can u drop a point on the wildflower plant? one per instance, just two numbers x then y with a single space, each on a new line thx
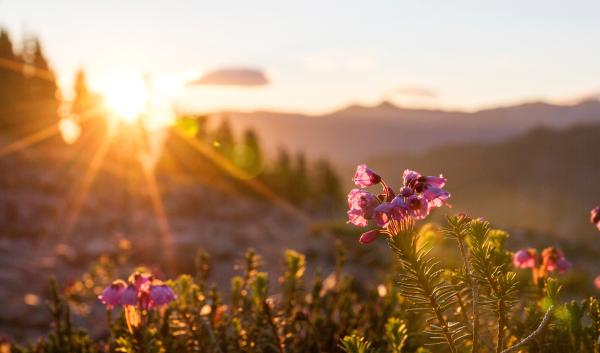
469 302
485 271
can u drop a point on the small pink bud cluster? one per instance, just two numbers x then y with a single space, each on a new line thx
141 290
552 260
415 199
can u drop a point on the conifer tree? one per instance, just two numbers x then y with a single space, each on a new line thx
248 154
223 139
42 90
327 185
300 188
11 82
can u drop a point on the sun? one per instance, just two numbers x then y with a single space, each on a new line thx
125 95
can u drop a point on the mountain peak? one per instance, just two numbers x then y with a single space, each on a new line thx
386 105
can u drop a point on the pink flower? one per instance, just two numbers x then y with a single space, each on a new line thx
418 182
142 281
111 295
406 191
417 206
524 258
554 260
362 204
383 214
595 217
563 265
161 295
400 209
436 196
410 177
355 216
432 180
597 282
369 237
129 296
365 177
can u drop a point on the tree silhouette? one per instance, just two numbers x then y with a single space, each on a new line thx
83 108
300 188
11 82
40 90
248 154
327 186
223 139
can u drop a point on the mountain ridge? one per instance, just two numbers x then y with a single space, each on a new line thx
357 132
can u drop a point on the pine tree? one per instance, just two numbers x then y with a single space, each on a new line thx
281 176
223 139
327 185
248 154
84 109
42 89
300 188
11 82
83 99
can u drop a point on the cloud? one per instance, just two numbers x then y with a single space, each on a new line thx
233 77
416 91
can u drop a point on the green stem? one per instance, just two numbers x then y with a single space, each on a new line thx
534 334
474 293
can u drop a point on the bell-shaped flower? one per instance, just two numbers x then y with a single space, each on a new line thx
554 260
417 207
361 205
365 177
129 296
161 295
384 213
436 196
524 258
370 236
111 295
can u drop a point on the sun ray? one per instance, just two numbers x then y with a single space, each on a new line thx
166 238
85 184
29 140
40 135
22 67
242 176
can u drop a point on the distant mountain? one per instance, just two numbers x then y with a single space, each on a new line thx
545 181
356 132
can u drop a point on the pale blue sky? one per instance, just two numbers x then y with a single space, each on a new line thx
321 55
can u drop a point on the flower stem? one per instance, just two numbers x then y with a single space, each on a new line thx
534 334
474 292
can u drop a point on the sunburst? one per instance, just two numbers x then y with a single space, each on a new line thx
128 103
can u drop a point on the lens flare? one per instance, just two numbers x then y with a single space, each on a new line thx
69 130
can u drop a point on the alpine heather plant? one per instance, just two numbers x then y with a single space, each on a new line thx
138 295
484 279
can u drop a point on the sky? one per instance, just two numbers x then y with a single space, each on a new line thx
319 56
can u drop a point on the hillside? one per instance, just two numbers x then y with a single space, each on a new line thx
366 131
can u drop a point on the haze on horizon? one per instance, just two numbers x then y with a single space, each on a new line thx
315 57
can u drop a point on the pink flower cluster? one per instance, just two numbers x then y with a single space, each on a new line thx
552 260
595 216
141 290
415 199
